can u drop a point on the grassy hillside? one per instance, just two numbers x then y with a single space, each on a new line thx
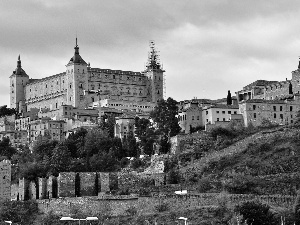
267 162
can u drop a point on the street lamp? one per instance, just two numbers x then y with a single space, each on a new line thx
183 218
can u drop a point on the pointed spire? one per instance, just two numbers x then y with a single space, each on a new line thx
19 58
76 48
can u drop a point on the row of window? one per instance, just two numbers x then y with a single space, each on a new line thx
223 112
274 108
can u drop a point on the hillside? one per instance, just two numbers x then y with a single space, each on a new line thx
267 162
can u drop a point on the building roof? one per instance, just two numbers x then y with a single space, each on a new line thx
276 101
110 71
223 106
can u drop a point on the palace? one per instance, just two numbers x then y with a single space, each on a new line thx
81 85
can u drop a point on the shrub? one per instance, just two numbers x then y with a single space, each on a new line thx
131 211
124 162
51 219
204 185
136 163
162 207
173 177
19 211
256 213
223 132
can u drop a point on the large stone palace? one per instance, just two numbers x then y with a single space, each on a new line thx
80 85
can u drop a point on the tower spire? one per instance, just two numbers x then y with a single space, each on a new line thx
76 47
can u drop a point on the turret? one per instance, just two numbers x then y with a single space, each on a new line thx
18 81
154 73
77 79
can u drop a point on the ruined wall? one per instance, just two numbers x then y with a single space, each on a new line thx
52 187
87 184
23 189
5 179
104 181
42 188
66 184
33 190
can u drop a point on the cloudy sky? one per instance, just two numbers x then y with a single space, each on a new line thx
207 47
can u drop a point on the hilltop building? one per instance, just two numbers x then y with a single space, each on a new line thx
80 85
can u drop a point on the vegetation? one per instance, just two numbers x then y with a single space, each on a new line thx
19 211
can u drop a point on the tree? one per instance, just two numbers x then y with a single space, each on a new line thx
130 146
256 213
229 98
43 146
6 149
58 160
146 135
107 123
4 111
165 120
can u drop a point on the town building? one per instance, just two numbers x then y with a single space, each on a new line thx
124 126
190 116
5 180
282 112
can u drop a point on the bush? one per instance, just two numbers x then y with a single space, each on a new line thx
51 219
162 207
136 163
223 132
204 185
19 211
256 213
124 162
131 211
173 177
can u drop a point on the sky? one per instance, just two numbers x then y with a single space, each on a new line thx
207 47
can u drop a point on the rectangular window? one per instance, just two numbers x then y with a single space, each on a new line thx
254 107
218 111
280 108
206 112
274 115
198 117
291 108
281 116
254 115
274 108
291 121
192 117
234 112
223 112
229 112
206 120
218 119
223 119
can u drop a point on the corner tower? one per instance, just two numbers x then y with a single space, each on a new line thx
18 81
155 75
77 79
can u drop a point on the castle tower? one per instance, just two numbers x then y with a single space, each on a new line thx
154 73
18 81
77 79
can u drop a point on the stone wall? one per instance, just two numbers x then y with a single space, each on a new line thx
52 187
33 191
23 189
104 181
66 184
42 188
87 184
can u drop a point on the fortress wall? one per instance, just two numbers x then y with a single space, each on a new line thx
87 184
66 184
42 188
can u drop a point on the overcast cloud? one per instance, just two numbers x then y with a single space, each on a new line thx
207 46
